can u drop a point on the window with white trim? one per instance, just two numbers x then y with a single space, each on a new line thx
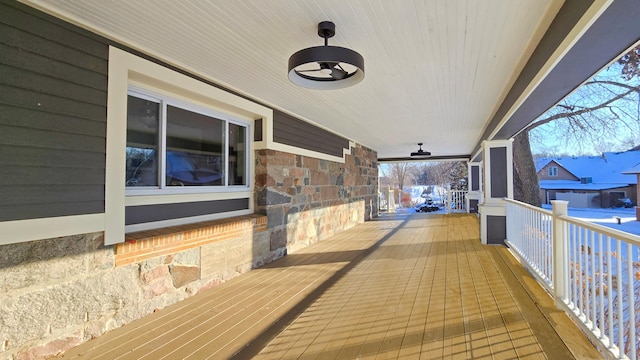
552 171
157 87
173 145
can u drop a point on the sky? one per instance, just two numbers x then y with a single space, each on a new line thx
552 139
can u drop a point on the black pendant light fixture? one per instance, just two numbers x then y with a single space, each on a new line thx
326 67
420 152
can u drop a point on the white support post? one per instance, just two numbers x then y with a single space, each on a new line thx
474 195
560 251
497 160
449 199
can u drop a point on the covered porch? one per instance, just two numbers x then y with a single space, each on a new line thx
401 286
283 254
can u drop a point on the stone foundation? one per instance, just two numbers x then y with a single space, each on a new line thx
58 293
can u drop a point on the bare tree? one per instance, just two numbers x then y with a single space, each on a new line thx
602 112
630 64
443 174
422 173
400 173
526 187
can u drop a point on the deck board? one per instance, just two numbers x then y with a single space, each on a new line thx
412 286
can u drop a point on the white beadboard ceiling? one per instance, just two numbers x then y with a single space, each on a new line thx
436 70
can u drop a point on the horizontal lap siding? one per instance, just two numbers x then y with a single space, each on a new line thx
294 132
53 93
150 213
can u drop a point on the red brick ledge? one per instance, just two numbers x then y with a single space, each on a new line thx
148 244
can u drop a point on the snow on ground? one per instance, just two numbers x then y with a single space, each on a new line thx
604 217
607 217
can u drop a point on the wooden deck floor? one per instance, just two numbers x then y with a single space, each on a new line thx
416 286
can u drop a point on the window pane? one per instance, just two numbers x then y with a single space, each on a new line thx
237 155
195 152
142 142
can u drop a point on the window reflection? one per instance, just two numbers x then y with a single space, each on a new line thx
194 149
142 142
191 148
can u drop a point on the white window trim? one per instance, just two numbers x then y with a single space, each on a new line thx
17 231
552 170
126 70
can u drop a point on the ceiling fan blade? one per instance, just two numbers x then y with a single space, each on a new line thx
334 69
421 153
338 73
328 64
312 70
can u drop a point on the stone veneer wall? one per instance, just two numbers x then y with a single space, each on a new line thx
57 293
308 199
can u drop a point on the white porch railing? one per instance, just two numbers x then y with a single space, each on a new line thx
529 233
456 201
593 271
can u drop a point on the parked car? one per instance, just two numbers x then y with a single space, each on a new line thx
428 206
624 202
182 169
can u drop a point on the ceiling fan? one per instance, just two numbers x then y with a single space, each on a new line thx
326 67
325 71
420 152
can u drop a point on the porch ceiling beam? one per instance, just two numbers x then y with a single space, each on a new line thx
430 158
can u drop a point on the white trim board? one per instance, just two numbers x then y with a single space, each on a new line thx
18 231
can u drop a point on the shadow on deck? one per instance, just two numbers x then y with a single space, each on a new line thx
406 286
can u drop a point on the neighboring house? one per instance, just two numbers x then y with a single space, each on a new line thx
588 181
635 171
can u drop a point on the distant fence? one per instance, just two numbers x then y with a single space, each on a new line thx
456 201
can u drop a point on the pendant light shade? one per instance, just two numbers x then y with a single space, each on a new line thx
326 67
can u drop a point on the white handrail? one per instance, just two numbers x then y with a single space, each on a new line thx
593 271
529 234
611 232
